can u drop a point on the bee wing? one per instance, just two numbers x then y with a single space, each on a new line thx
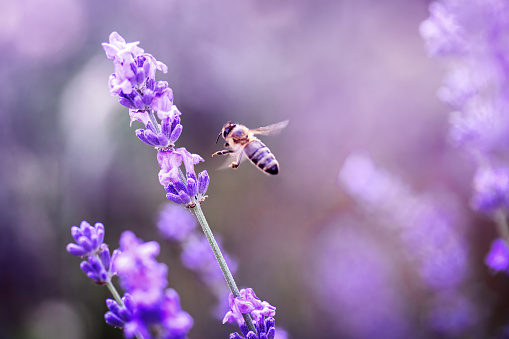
271 129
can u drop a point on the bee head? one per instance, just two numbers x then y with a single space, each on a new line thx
227 128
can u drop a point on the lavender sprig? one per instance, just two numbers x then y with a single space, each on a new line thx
134 82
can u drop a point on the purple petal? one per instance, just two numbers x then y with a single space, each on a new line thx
175 134
113 320
76 250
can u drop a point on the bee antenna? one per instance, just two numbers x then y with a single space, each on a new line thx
218 138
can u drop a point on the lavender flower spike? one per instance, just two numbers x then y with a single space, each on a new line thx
193 189
88 239
119 315
261 311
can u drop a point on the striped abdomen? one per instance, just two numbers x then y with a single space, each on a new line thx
261 156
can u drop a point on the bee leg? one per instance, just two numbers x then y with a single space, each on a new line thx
236 164
223 152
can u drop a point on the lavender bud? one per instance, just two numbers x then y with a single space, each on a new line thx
76 250
174 198
235 335
179 186
112 320
192 188
127 103
151 137
85 242
165 126
140 134
138 101
184 197
140 75
163 140
105 257
148 95
175 134
176 120
203 182
150 84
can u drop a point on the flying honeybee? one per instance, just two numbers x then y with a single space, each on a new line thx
241 140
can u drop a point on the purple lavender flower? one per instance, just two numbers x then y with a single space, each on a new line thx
193 189
89 243
140 274
134 82
156 310
498 257
176 223
88 239
99 267
473 35
163 320
491 189
119 315
134 75
261 311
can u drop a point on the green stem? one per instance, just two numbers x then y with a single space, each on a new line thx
117 297
217 253
220 260
115 294
154 121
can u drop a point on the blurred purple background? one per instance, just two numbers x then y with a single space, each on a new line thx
350 75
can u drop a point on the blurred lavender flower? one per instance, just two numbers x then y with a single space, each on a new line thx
156 310
473 35
429 233
261 311
175 222
140 274
491 189
358 286
498 256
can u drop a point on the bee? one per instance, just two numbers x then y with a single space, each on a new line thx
241 140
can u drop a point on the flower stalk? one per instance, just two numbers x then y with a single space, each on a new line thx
220 260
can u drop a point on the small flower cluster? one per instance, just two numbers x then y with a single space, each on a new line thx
176 224
427 229
184 191
261 312
89 243
472 36
134 82
146 310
